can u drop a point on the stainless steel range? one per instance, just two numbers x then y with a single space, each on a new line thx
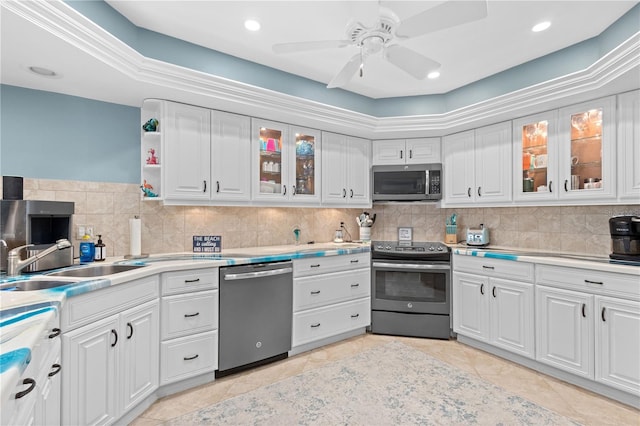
411 289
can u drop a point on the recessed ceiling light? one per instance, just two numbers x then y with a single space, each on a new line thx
433 74
541 26
252 25
46 72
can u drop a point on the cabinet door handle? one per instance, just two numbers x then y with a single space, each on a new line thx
410 153
593 282
351 190
344 193
479 191
293 190
482 288
217 186
488 267
550 186
315 292
401 154
56 370
316 325
493 292
584 313
469 192
285 190
566 182
55 332
355 315
191 315
602 314
32 385
205 186
115 333
189 358
192 281
130 327
355 285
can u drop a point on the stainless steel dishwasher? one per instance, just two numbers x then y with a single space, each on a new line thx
255 315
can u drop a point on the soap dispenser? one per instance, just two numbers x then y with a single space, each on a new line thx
100 250
87 249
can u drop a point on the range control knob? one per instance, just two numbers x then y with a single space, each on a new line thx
440 248
431 248
387 248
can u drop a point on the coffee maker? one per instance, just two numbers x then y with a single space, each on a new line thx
625 238
40 223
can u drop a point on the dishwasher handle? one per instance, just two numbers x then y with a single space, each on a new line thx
258 274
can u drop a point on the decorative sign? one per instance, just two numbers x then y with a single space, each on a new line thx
207 243
405 234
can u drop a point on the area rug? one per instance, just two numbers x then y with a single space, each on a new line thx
392 384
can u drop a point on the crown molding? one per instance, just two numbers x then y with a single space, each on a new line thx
615 72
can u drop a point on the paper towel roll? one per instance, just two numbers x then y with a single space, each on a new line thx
135 237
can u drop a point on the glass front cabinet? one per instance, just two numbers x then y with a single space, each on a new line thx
287 162
567 153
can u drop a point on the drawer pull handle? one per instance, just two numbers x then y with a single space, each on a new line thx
593 282
115 333
355 261
488 267
481 288
56 370
355 316
316 325
584 313
315 292
192 281
32 385
55 332
493 292
602 314
191 315
189 358
317 265
355 285
130 327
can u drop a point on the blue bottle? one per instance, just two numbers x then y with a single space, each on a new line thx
87 249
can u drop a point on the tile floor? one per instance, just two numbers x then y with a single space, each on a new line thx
580 405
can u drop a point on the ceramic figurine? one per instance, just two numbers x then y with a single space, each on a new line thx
152 159
151 125
147 189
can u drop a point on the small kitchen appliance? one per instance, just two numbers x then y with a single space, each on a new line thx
625 238
478 236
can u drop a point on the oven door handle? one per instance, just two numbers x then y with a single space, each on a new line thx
411 266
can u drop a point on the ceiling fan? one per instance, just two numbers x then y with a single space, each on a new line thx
385 34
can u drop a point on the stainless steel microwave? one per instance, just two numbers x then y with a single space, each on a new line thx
407 182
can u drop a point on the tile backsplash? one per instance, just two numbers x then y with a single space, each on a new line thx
109 206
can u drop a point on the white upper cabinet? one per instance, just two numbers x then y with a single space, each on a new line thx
286 161
346 168
629 146
230 153
406 151
477 165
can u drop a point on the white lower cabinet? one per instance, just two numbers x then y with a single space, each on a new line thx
112 359
189 324
494 310
328 304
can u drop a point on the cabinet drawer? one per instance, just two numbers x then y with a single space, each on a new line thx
508 269
322 264
90 307
315 291
320 323
184 314
188 356
191 280
608 283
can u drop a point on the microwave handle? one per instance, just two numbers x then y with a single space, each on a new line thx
427 185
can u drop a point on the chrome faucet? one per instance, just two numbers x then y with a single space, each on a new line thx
15 264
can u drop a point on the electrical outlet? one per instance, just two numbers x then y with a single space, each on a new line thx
89 231
81 232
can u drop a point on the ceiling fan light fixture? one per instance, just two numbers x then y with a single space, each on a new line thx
252 25
373 44
433 75
541 26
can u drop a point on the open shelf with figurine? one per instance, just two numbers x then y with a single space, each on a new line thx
151 149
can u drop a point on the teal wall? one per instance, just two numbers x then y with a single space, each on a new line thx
52 136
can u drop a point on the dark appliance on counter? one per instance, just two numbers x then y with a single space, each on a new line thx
625 238
411 289
256 309
38 224
410 182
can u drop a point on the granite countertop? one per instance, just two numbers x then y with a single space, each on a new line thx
25 314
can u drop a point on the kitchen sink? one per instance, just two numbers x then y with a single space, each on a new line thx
32 285
95 271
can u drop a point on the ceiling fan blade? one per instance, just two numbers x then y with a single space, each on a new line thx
304 46
346 73
445 15
410 61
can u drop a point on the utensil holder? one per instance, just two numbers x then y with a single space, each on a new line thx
365 233
450 236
